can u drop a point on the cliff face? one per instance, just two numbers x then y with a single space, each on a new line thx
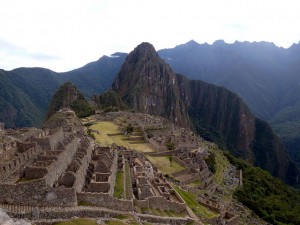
147 84
68 96
219 115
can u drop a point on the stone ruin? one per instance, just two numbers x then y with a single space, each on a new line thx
179 137
102 170
63 167
150 188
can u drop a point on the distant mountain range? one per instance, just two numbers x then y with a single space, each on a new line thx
25 93
265 76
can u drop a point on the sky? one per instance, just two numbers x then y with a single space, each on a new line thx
62 35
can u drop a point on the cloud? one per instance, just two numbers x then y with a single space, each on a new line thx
63 35
10 49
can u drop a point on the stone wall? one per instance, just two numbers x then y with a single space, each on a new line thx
59 166
190 180
81 172
160 203
114 169
21 159
179 161
141 203
104 200
165 220
154 144
49 142
180 173
36 193
61 213
56 213
164 153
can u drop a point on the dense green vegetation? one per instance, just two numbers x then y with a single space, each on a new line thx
82 108
266 195
109 101
287 126
264 141
170 145
191 201
211 162
25 93
69 96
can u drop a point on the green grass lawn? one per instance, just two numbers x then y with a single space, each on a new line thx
105 128
118 222
80 221
195 183
119 186
128 192
191 202
164 164
164 213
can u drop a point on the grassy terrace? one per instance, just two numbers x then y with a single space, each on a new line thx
222 164
165 165
191 202
128 192
195 183
80 221
109 134
168 213
119 186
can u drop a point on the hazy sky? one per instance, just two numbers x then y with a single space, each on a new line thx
65 34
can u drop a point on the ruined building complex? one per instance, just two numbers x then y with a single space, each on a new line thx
61 166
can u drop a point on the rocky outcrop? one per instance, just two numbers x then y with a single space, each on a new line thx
109 100
147 84
68 96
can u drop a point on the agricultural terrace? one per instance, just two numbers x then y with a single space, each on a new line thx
109 133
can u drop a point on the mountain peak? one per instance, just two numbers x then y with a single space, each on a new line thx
192 43
144 47
143 52
68 96
219 43
147 84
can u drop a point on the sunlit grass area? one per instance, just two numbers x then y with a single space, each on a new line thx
165 165
158 212
80 221
105 138
195 183
191 201
119 186
222 164
118 222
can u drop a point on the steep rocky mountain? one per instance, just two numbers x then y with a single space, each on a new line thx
265 76
26 93
68 96
147 84
252 70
